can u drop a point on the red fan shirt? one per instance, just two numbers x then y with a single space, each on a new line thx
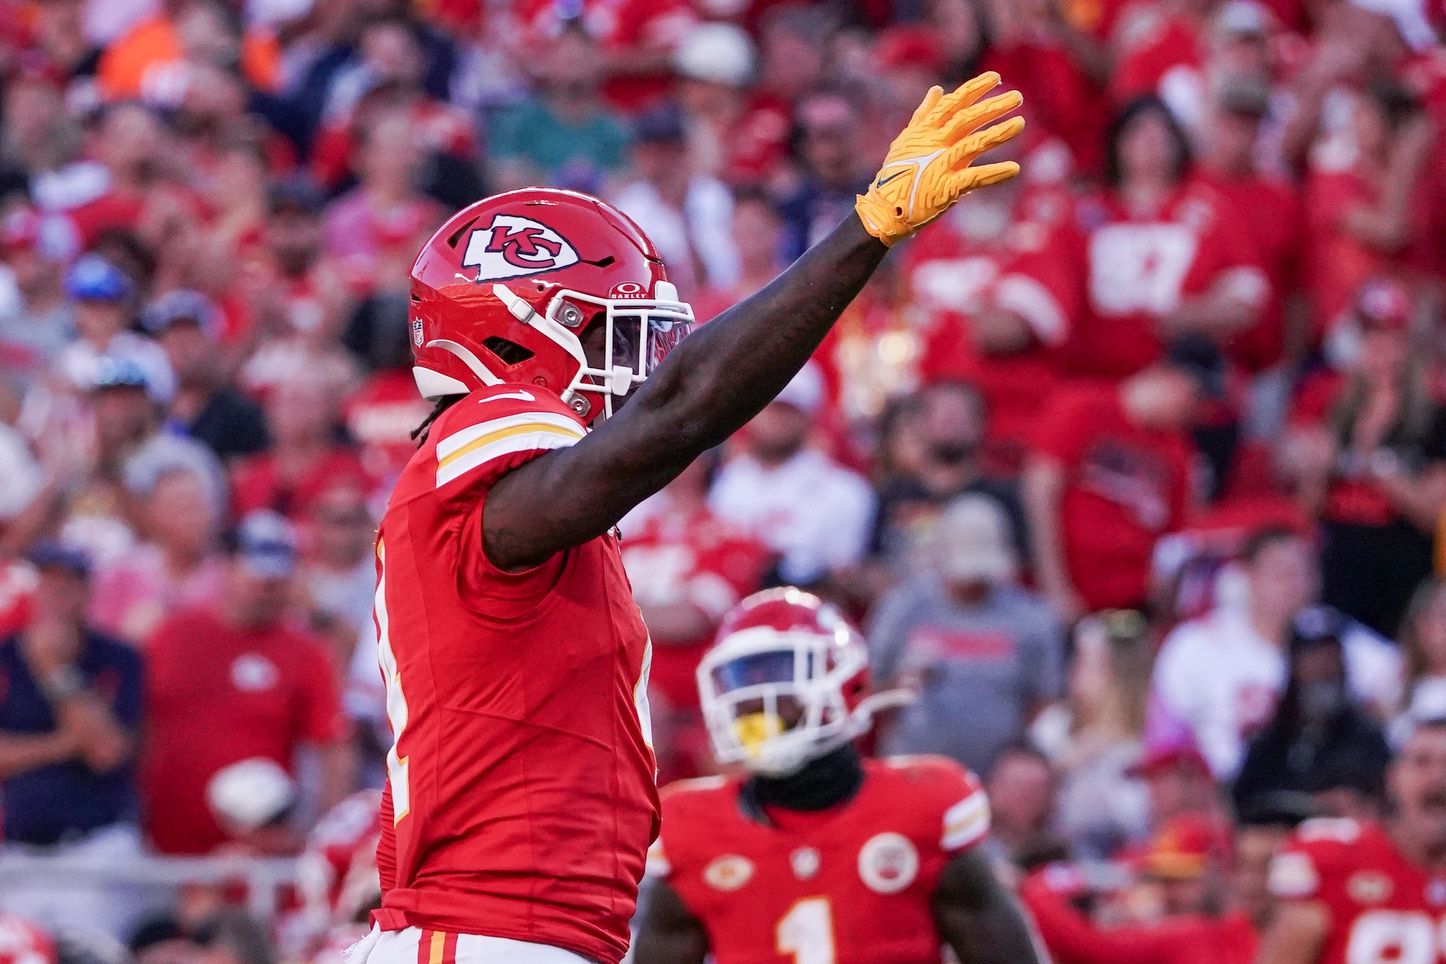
1125 486
1381 906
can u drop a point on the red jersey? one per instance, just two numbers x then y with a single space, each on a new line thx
857 879
1274 216
520 798
1382 907
217 695
1125 486
1141 266
1031 269
696 558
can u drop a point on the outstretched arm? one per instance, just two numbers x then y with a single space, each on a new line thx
669 933
978 918
723 375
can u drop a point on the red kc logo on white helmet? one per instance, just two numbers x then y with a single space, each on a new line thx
512 246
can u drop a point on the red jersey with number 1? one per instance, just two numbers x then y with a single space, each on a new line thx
520 797
852 885
1381 906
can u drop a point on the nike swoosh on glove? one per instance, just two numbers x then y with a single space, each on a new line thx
930 165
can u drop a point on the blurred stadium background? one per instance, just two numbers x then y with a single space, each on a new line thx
208 209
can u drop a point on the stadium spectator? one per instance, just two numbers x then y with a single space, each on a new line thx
35 315
338 574
686 213
985 655
730 133
688 568
373 231
187 325
1423 642
564 135
70 715
102 294
1109 473
811 511
1177 780
756 234
948 422
1368 448
305 457
237 684
829 124
176 564
1218 678
1165 256
1021 788
1318 738
1094 737
1186 864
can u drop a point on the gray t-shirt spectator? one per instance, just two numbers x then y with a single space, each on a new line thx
982 669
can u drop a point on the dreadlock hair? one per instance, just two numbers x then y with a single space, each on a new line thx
419 434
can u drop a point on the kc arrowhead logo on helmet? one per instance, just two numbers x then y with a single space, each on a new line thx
513 246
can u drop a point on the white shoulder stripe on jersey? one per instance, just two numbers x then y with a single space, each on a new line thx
507 444
965 822
451 444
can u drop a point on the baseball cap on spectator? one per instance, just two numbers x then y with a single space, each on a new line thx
54 554
715 53
182 306
660 125
297 194
910 47
250 794
1315 626
804 392
1201 359
1181 849
1163 757
1383 305
265 543
118 371
972 542
93 278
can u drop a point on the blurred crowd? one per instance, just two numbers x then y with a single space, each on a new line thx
1134 467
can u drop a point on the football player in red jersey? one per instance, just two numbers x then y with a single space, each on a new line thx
520 796
816 856
1363 893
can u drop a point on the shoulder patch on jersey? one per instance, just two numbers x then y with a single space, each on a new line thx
1293 874
729 872
888 862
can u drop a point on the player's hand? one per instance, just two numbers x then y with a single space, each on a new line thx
928 167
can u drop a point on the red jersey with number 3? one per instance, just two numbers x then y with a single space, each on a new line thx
520 796
1381 906
850 885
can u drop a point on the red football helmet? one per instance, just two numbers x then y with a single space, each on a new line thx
506 289
786 682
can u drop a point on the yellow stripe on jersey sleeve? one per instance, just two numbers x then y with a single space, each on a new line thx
478 444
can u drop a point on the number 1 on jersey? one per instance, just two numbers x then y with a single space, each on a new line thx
806 932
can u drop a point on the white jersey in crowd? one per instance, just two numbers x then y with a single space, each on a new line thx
815 513
1220 679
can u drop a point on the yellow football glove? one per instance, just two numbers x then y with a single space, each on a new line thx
927 168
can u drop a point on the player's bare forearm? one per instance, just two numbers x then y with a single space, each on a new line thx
669 933
709 387
979 918
723 374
